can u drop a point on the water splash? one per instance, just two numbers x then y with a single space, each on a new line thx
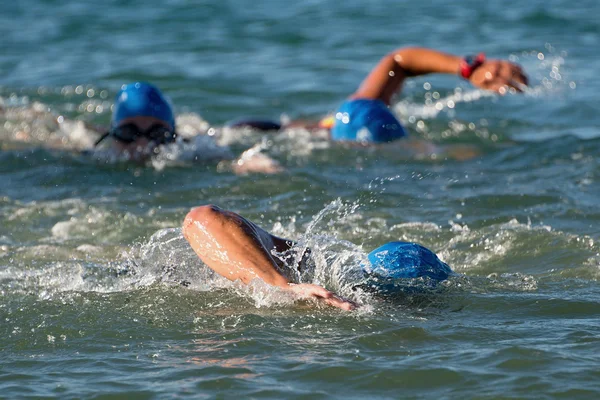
35 124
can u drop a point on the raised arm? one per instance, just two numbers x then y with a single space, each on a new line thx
389 74
238 249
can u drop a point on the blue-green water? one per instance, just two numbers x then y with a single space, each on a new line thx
519 221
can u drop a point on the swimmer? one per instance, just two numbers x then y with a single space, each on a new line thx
365 116
143 120
238 249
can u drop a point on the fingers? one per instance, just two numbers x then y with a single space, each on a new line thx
338 302
502 86
320 292
517 85
519 76
516 78
306 291
497 86
518 72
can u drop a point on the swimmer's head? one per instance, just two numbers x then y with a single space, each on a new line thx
141 99
141 114
397 260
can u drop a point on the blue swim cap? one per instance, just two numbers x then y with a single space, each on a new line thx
398 260
141 99
367 121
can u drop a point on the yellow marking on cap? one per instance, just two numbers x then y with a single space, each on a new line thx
327 122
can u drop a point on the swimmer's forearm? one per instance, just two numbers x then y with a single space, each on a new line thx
416 61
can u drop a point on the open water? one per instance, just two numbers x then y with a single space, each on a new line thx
504 189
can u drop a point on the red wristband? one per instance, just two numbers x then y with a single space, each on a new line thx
469 64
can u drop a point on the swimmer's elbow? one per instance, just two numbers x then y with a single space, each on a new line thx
404 57
200 216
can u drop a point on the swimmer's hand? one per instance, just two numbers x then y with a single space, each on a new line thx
499 76
310 291
254 161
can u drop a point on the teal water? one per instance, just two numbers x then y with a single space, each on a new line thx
519 221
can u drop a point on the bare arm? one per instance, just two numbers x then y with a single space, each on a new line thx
389 74
239 249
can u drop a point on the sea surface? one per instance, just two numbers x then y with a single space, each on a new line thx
504 188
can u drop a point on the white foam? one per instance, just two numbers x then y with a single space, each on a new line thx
431 110
36 124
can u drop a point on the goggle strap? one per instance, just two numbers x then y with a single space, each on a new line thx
104 136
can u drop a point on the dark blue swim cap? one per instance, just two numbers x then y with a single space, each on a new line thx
141 99
397 260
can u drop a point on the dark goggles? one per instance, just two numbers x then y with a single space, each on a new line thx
129 133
